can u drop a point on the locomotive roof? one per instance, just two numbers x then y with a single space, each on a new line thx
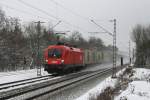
66 47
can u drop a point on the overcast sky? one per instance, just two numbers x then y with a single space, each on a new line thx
76 15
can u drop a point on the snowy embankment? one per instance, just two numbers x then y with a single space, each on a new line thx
108 82
98 89
139 88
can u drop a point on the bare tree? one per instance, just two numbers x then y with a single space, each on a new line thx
141 36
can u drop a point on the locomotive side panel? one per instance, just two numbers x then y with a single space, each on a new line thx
69 57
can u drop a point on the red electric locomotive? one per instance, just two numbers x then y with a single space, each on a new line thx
60 58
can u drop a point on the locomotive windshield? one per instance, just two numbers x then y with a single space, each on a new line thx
56 53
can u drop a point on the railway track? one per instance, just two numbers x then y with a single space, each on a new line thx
23 82
49 86
45 87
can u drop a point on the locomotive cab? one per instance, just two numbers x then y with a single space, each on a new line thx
53 59
55 56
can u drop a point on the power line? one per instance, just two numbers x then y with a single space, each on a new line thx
102 28
38 9
74 13
69 10
42 11
22 11
56 24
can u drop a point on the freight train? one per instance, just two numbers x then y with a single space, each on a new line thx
61 58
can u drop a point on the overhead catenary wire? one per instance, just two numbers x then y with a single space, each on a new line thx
102 28
22 11
38 9
48 14
29 5
74 13
69 10
83 17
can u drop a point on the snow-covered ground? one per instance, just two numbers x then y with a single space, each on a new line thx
98 89
136 90
94 92
139 88
19 75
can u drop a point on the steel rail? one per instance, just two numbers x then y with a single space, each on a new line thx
69 84
29 89
26 89
22 82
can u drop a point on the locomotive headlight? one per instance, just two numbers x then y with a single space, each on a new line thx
62 61
46 60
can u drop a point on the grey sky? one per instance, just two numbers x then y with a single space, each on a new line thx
127 12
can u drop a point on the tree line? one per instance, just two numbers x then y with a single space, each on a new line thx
18 42
141 37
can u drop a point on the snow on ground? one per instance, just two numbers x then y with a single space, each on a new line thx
98 89
136 90
139 88
108 82
19 75
141 74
